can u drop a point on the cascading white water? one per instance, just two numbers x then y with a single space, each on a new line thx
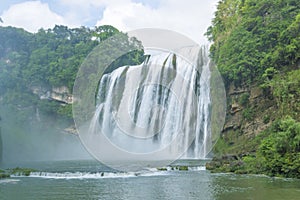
203 138
145 107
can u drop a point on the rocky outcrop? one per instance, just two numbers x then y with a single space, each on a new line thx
60 94
71 130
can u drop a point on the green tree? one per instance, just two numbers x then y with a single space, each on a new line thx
280 151
251 36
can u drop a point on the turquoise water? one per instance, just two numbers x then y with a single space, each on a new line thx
90 180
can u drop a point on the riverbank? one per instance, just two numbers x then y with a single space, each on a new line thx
250 164
231 163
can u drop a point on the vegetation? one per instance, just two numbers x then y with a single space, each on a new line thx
2 175
278 153
21 171
48 59
285 89
16 171
257 44
253 37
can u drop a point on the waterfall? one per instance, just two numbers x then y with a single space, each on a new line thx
145 107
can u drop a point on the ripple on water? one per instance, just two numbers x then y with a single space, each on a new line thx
6 181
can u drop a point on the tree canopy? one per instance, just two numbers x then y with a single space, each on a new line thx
250 37
49 58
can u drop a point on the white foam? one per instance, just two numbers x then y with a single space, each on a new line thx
198 168
88 175
3 181
102 175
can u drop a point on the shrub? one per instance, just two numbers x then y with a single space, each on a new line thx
248 114
244 99
280 151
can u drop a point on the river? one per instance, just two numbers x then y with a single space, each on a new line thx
91 180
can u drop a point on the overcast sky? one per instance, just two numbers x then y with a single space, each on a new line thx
189 17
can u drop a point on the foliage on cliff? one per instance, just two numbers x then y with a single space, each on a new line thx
279 152
251 38
256 44
47 59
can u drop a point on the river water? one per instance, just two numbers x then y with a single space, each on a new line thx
91 180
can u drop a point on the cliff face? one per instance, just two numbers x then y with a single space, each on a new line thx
250 111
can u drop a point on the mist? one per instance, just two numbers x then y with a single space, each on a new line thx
28 136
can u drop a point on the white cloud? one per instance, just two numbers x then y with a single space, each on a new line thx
87 11
31 15
190 17
85 3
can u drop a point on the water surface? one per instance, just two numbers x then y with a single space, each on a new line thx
90 180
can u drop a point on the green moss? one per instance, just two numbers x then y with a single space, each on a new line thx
162 169
235 142
22 171
183 168
221 147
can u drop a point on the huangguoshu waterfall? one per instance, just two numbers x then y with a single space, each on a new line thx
143 108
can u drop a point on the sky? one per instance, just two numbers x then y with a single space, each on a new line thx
188 17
